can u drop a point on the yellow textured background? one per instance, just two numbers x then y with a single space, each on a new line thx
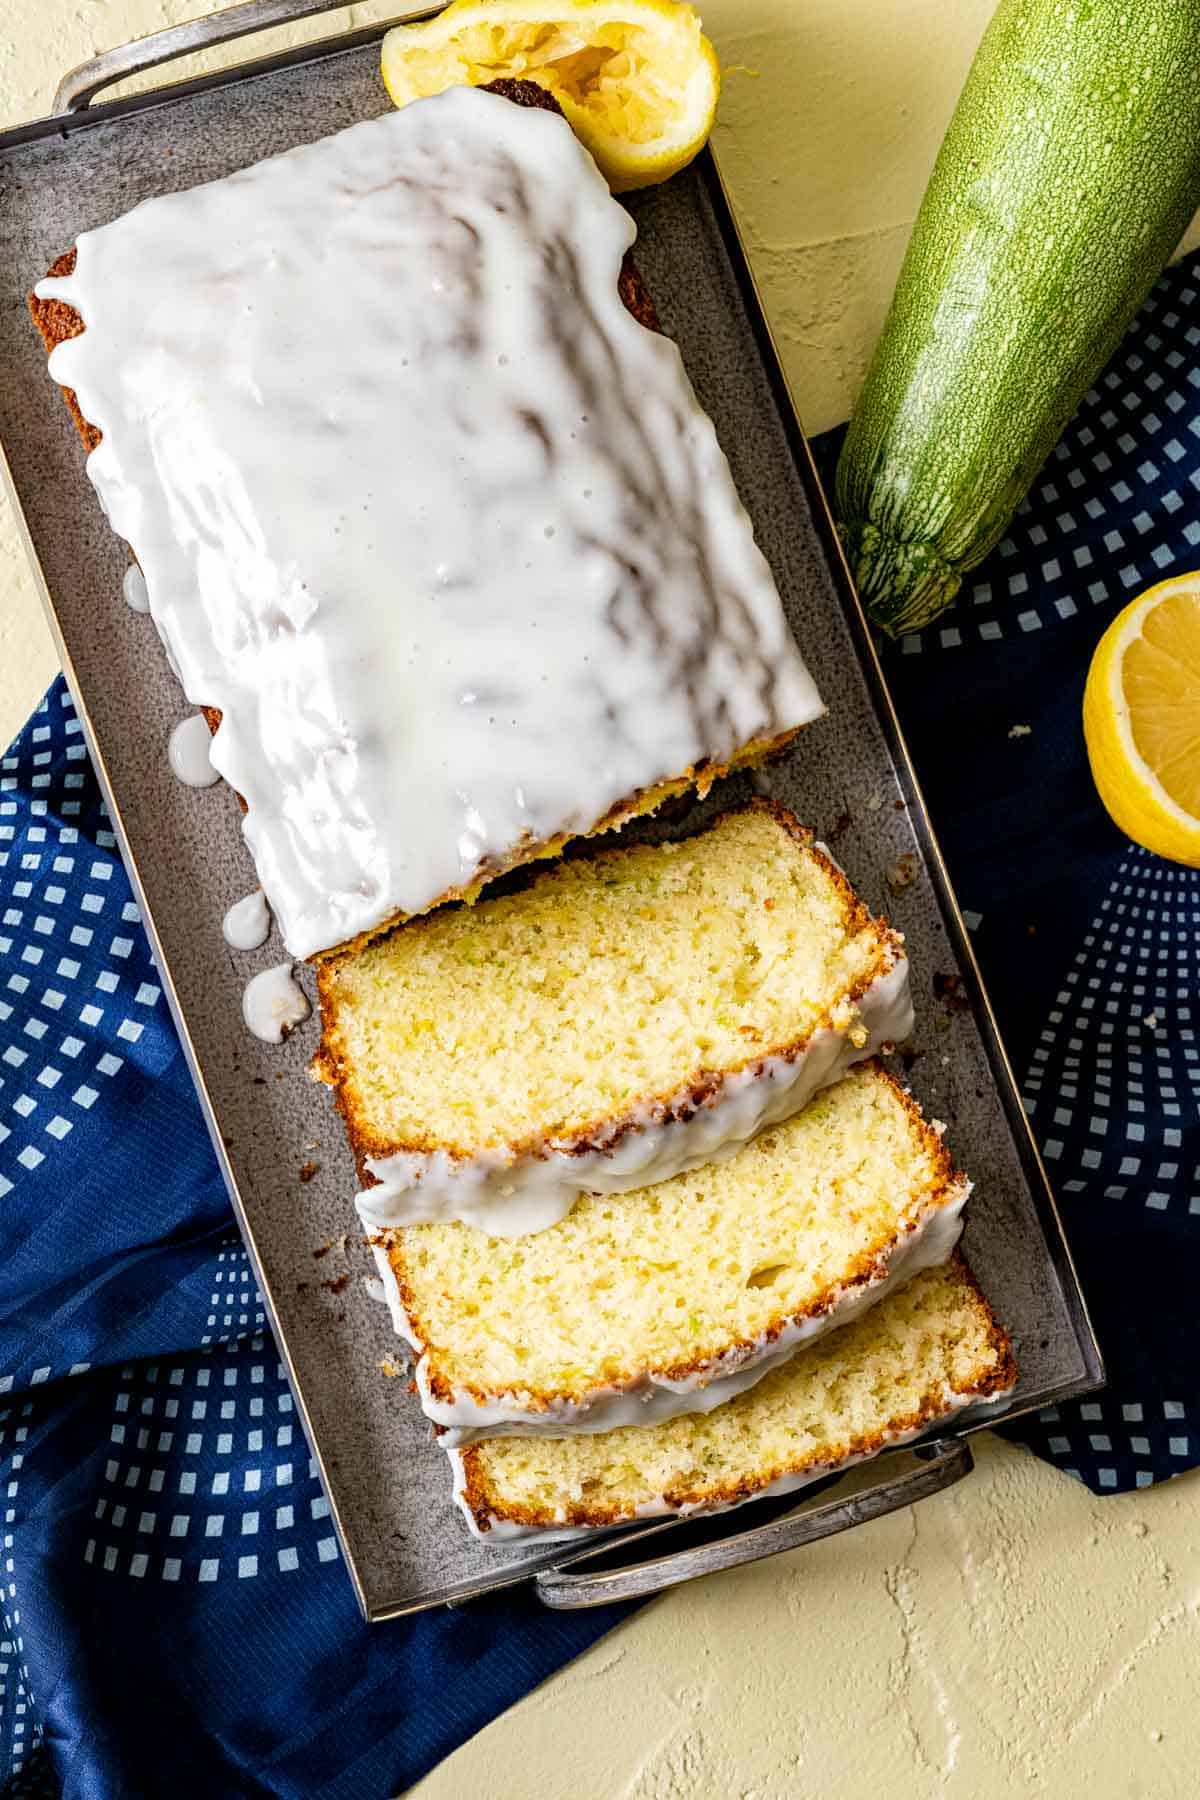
1015 1636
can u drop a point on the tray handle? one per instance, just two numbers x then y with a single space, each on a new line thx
943 1462
77 89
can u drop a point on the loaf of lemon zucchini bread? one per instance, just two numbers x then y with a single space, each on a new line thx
461 582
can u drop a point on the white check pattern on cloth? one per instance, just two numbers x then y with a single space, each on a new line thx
209 1475
64 913
186 1468
1103 1015
1122 1037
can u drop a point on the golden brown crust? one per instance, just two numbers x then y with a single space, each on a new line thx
485 1505
869 1267
524 93
56 322
1005 1373
332 1065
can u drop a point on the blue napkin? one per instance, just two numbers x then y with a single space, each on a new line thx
175 1619
1089 946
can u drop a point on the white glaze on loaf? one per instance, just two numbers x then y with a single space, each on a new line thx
435 524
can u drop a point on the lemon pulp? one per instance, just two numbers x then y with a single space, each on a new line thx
1161 679
636 79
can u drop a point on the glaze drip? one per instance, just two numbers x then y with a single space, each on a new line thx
439 528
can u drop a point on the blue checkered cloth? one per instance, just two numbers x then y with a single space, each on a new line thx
175 1618
1090 946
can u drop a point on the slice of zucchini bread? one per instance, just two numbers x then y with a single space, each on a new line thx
625 1017
639 1307
923 1354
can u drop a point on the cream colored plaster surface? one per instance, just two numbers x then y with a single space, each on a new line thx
1014 1636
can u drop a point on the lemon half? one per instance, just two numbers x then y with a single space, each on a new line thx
1141 719
637 79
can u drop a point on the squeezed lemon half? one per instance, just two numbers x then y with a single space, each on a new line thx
1141 719
637 79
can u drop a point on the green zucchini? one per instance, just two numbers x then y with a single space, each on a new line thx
1067 177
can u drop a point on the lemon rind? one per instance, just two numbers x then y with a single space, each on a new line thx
625 166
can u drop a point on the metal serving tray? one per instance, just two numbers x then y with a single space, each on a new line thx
849 775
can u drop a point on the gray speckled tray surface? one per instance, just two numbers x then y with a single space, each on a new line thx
405 1544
